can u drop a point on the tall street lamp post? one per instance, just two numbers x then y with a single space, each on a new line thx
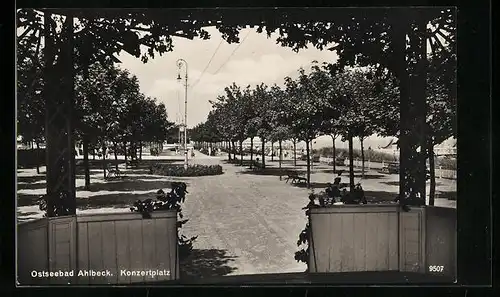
181 62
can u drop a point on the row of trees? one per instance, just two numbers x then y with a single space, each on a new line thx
110 111
356 102
393 39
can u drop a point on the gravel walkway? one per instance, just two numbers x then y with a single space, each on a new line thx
248 220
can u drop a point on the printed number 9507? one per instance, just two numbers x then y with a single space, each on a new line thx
434 268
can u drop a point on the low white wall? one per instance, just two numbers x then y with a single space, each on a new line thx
412 240
382 237
32 250
354 238
122 244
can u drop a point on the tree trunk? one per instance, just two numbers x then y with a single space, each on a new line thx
263 152
362 158
334 153
115 146
295 153
308 165
140 150
37 156
234 150
93 155
104 159
125 153
86 162
351 164
399 31
432 168
272 151
280 155
421 107
241 152
251 152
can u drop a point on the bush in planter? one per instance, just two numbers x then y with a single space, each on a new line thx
169 201
192 170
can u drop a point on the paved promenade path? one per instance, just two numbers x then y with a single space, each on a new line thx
246 223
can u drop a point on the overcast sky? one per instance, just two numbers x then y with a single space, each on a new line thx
254 60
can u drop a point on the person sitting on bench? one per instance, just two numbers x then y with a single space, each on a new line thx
357 196
333 190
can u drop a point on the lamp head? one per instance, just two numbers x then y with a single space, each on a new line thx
179 77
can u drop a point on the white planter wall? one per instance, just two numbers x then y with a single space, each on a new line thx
382 238
99 242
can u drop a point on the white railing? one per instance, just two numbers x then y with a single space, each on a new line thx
439 171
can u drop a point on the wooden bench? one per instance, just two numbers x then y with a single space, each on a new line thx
256 166
295 177
133 163
112 172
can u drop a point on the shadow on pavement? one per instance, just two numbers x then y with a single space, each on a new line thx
97 201
112 200
27 199
380 196
237 162
272 171
127 184
391 183
30 179
345 171
31 186
203 263
396 183
450 195
313 185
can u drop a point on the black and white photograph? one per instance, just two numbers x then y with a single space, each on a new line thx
240 146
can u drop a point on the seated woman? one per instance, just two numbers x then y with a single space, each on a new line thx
333 190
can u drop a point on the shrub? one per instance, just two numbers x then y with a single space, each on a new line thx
169 201
192 170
